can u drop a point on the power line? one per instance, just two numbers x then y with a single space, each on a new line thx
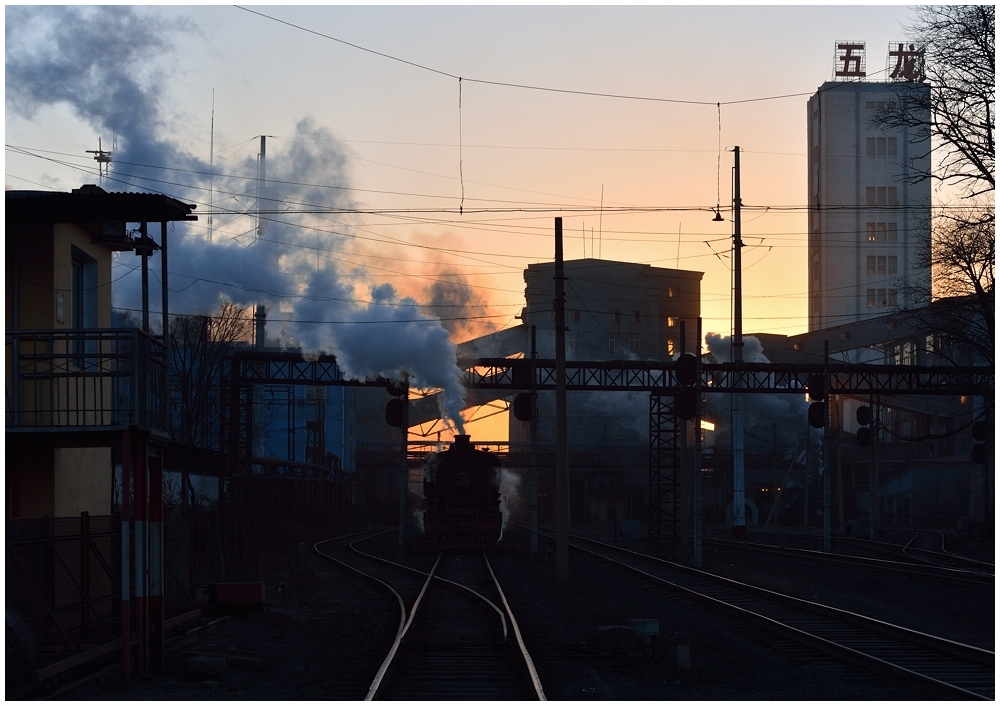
523 86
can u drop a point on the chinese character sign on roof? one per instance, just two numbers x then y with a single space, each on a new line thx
905 62
849 61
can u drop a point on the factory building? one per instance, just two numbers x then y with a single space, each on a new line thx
869 223
614 311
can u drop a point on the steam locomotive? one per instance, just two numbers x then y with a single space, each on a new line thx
463 497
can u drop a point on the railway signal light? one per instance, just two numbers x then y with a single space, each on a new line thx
686 369
522 406
816 387
979 430
394 388
817 415
520 374
686 403
394 412
865 420
978 454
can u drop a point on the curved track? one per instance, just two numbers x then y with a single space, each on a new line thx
978 576
955 669
457 640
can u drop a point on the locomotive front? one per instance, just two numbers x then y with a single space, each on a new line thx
463 498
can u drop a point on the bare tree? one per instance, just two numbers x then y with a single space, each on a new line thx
959 44
198 345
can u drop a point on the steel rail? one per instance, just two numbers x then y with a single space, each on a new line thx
528 662
397 565
968 652
399 599
377 682
907 548
900 567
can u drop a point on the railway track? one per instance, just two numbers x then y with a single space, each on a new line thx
907 568
954 669
926 547
456 638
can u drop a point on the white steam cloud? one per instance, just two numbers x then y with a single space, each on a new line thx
763 413
106 64
509 499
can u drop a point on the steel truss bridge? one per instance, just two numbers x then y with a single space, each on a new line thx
511 375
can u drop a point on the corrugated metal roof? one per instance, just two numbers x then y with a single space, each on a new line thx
92 204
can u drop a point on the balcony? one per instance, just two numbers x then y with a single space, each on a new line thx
85 380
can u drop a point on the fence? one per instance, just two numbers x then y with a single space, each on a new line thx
63 577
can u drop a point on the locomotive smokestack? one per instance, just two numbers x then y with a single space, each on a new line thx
461 440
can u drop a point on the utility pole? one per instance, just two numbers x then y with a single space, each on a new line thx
533 429
739 509
562 451
261 185
697 458
404 475
827 465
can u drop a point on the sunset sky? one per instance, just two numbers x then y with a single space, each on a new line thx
358 131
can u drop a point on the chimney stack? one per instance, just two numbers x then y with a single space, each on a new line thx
260 319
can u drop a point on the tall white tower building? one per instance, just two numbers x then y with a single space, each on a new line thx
868 225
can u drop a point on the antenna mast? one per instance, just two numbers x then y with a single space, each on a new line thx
103 160
211 169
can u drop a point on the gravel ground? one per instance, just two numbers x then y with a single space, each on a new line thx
325 630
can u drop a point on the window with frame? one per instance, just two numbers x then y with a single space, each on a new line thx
891 196
890 232
633 342
636 316
671 322
870 298
617 432
892 297
613 344
572 342
576 432
881 265
83 304
891 265
573 316
671 346
870 264
614 317
882 301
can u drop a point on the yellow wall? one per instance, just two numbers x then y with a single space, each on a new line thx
34 468
35 298
65 236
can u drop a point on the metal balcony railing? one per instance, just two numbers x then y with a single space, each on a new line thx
85 379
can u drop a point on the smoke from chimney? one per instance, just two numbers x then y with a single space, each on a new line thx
106 64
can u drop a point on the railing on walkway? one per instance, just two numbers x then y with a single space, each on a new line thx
85 378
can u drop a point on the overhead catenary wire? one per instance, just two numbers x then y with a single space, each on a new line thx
524 86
